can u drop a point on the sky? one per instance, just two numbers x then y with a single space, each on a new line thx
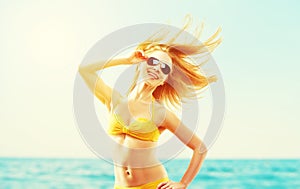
43 43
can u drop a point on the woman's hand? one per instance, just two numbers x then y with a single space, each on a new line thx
137 57
171 185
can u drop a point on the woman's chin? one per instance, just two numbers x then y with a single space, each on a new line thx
152 82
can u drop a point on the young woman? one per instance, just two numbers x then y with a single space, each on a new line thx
164 76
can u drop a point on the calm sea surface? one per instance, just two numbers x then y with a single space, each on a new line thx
92 173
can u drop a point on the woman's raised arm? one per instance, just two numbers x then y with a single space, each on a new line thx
96 84
100 89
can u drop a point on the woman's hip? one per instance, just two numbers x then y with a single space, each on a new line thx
126 176
149 185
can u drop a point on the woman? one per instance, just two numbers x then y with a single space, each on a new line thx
164 76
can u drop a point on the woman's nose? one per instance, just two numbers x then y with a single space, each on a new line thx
156 67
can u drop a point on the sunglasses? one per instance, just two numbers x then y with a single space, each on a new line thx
165 68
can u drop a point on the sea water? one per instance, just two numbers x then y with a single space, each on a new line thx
42 173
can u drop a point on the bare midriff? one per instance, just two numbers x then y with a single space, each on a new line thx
135 162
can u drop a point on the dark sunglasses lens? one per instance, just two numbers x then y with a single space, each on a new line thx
152 61
166 69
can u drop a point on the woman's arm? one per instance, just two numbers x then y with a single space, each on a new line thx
100 89
136 57
104 64
197 160
173 124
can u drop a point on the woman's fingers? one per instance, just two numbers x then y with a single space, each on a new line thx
161 184
140 54
165 185
137 57
171 185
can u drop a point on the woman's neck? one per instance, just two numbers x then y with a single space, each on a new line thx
142 93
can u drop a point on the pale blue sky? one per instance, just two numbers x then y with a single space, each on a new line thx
42 44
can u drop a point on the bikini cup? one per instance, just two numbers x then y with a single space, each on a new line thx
142 125
141 128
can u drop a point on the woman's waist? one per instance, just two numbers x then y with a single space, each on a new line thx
127 176
135 157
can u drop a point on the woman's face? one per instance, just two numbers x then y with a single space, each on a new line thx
155 69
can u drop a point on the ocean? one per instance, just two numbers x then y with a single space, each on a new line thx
42 173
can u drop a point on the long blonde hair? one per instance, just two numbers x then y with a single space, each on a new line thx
185 80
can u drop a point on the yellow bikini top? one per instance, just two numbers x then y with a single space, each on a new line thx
142 128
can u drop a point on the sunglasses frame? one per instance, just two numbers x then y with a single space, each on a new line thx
161 63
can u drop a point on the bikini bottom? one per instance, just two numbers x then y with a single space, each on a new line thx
151 185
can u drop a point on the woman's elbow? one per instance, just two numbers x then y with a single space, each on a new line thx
81 69
202 149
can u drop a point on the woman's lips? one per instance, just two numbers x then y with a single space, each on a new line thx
153 75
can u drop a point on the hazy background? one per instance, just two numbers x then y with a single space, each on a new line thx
43 42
